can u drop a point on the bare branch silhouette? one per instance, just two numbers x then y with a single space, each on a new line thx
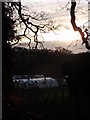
69 45
76 28
66 6
25 19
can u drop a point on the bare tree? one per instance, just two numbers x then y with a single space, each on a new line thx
25 19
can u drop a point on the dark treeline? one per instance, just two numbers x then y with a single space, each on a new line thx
48 62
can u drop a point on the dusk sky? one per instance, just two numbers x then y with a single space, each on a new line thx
64 35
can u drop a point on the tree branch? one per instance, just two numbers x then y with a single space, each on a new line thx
75 27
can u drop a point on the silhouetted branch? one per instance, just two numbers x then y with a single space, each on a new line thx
26 20
24 17
69 45
76 28
27 23
66 6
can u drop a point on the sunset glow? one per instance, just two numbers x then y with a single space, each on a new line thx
69 35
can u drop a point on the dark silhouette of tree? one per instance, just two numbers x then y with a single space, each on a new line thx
76 28
8 34
24 19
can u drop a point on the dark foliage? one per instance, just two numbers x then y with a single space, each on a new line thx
8 34
45 62
61 63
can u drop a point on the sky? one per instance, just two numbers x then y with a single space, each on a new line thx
64 35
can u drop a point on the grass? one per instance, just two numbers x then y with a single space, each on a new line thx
34 104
